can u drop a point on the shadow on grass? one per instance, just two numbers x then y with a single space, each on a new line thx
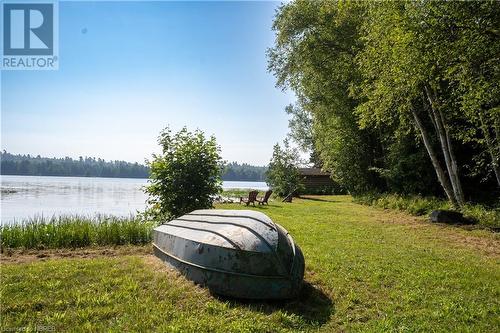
267 206
316 198
263 207
312 305
473 225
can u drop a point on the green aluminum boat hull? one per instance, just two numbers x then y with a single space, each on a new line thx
235 253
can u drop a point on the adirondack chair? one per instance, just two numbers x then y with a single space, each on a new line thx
289 197
252 197
266 197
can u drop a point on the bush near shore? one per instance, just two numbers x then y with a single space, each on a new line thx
418 205
75 231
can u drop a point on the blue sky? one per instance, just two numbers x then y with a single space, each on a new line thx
128 69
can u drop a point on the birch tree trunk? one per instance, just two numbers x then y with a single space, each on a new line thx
443 179
496 147
444 139
494 153
454 165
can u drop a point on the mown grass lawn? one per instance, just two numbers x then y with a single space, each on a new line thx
366 270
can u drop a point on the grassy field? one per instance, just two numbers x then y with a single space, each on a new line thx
366 270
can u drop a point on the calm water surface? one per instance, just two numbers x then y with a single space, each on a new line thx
27 196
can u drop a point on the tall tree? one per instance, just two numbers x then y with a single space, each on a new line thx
469 58
301 132
397 86
418 64
314 55
283 174
370 76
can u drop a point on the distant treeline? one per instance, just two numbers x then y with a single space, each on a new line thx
244 172
27 165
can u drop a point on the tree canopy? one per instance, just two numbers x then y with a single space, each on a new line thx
400 96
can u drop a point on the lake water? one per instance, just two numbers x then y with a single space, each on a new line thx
27 196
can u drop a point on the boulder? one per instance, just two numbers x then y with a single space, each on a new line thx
447 216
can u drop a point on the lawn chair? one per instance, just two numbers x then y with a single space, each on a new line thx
266 197
252 197
289 197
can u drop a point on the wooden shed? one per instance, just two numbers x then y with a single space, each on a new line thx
316 181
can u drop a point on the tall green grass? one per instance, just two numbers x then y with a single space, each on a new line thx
75 231
418 205
236 193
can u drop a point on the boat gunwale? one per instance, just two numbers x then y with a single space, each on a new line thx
271 277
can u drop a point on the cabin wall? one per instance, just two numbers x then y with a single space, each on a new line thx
319 184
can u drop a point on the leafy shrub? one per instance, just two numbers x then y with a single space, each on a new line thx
185 176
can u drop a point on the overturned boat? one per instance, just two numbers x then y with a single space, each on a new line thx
236 253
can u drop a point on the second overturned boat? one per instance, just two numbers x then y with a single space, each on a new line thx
237 253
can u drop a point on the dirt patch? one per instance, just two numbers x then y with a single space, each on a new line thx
484 241
159 266
24 256
486 245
